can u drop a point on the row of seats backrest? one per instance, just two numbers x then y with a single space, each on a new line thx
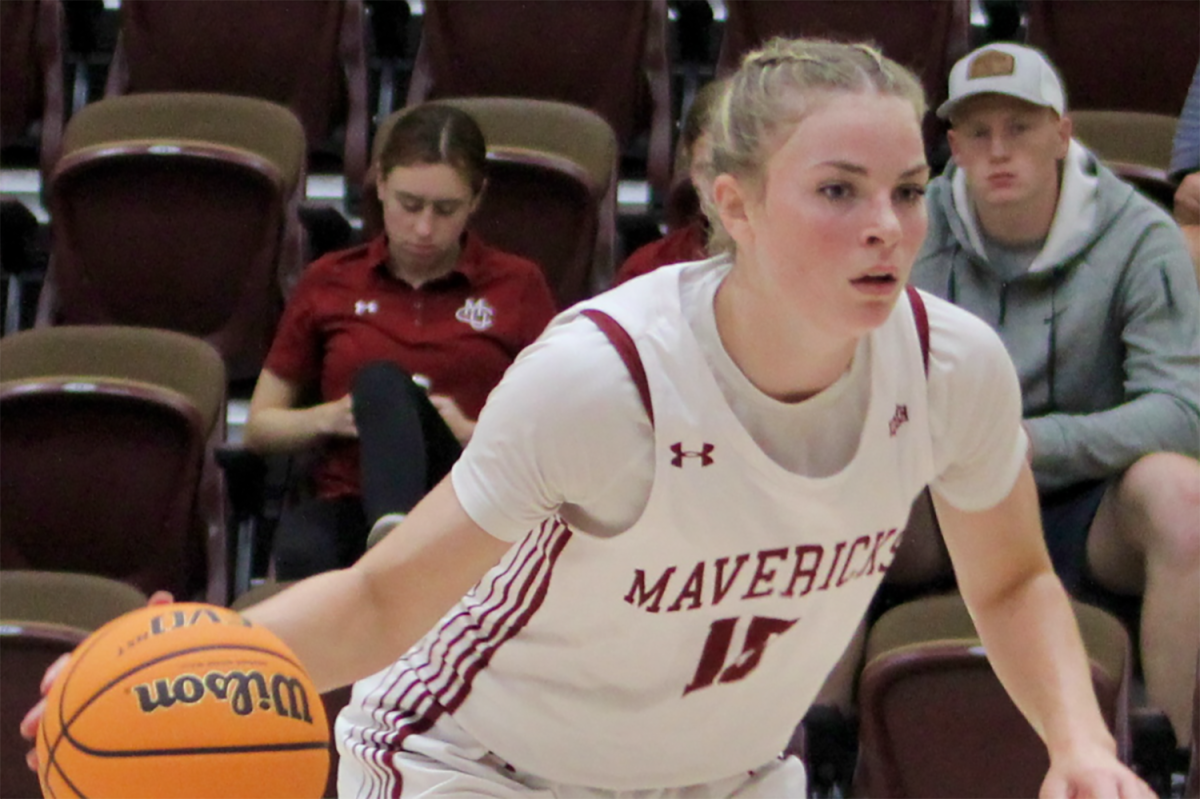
311 56
552 197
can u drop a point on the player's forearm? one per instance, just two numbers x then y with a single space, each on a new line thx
325 618
348 624
1033 642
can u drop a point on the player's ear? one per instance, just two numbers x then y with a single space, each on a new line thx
732 197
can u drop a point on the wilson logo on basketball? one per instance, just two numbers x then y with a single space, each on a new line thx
245 691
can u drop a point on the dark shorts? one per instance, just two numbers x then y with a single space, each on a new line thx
1067 517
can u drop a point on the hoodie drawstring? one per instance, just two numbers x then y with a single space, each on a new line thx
1052 362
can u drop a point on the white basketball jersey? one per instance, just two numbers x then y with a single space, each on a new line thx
687 648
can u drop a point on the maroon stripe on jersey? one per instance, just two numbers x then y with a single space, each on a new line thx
623 343
451 684
522 574
529 572
561 534
922 319
393 724
394 718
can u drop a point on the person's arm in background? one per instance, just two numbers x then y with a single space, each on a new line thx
275 424
1185 167
1160 306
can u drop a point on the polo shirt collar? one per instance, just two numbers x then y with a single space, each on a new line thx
470 258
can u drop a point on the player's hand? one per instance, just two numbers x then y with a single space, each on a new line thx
455 419
1092 775
33 719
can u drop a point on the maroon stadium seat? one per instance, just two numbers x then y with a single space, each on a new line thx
308 55
927 36
43 615
107 444
178 211
934 719
1120 56
608 56
31 74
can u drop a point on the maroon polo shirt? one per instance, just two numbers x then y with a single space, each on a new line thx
680 245
461 331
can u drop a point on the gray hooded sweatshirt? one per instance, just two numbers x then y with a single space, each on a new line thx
1103 327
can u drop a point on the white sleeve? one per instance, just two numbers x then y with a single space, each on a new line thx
975 411
564 431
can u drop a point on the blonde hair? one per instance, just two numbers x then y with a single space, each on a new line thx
773 90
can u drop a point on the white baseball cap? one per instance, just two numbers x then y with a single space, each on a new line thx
1003 68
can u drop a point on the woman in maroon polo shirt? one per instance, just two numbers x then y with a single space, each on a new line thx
401 338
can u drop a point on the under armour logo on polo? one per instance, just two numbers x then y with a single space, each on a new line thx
704 454
365 306
476 313
900 417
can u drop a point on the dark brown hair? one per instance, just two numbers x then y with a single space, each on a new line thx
437 134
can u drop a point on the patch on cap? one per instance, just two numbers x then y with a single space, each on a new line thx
991 63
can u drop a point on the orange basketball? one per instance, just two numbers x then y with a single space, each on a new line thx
183 700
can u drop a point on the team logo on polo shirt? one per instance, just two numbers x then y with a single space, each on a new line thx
476 313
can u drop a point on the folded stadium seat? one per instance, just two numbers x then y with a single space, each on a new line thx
308 55
551 191
1134 144
927 36
333 700
31 119
107 447
42 616
1133 57
178 211
934 719
609 57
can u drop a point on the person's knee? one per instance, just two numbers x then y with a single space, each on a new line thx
1161 498
380 378
380 389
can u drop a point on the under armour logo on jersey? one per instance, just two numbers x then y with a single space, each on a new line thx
365 306
704 454
476 313
900 417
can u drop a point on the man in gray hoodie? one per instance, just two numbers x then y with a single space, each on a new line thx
1091 288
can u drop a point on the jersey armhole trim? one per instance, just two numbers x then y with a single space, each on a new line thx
921 317
623 343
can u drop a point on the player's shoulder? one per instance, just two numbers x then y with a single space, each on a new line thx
959 341
571 373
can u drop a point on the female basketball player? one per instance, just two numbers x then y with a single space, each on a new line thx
655 547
